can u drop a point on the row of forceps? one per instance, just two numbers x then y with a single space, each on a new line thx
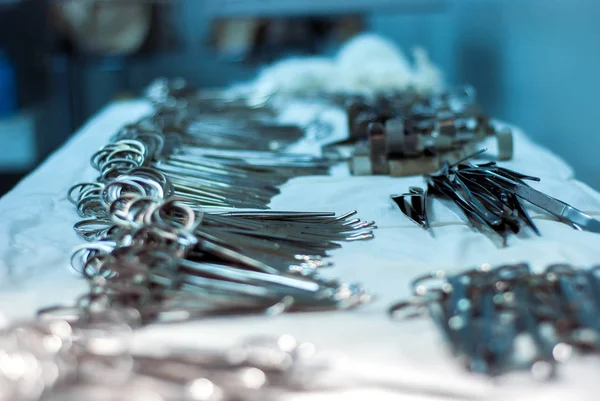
490 197
218 158
213 177
217 119
159 263
82 353
271 241
223 132
509 318
173 217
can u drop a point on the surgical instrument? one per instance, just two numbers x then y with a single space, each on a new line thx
406 133
491 197
486 313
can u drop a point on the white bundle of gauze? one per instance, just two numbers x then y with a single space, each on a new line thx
369 63
365 64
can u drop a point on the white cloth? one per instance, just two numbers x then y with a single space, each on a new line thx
36 240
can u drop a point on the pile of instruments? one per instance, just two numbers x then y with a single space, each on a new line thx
407 133
508 318
490 197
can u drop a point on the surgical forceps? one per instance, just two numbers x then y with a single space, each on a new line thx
484 312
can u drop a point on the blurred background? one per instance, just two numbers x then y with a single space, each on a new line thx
534 63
